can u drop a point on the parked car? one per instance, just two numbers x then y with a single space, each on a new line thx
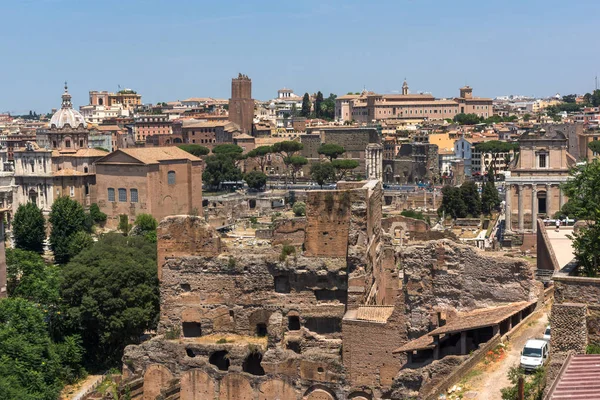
547 333
534 354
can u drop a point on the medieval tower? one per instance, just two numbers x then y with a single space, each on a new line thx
241 105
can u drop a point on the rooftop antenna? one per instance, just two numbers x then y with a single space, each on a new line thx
596 82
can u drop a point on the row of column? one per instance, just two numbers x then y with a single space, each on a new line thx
534 204
374 161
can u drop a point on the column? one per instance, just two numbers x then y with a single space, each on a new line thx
521 216
507 207
548 200
560 197
463 342
534 208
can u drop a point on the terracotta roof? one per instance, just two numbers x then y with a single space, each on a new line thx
422 343
480 318
108 128
243 136
579 378
89 153
154 155
348 97
374 313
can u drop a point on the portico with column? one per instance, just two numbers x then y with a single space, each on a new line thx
374 161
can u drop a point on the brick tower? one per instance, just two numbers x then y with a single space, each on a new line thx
241 105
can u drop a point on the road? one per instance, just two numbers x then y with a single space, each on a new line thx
487 385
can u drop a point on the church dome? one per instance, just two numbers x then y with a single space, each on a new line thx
67 115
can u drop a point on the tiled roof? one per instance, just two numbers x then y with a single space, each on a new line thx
579 378
374 313
154 155
422 343
68 172
480 318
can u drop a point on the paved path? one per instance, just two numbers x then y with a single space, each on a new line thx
561 244
494 377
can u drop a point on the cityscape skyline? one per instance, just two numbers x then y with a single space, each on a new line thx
334 47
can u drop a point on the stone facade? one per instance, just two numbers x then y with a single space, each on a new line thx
241 105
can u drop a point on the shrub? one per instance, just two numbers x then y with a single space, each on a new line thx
97 215
286 250
299 209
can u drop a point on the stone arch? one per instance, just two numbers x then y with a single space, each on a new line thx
276 389
196 385
319 392
155 379
235 387
259 321
360 395
252 364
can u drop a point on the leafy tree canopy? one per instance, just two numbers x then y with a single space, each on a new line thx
467 119
287 148
594 146
195 149
256 180
490 199
322 173
227 148
452 202
29 228
220 168
30 278
331 151
260 151
306 106
110 294
299 209
470 196
67 218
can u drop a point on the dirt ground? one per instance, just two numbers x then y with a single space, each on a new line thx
70 391
485 381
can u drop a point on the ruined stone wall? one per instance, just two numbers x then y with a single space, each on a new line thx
406 224
290 231
571 289
328 223
569 328
546 259
443 276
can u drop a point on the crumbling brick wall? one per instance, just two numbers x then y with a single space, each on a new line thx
572 289
569 328
443 276
328 223
290 231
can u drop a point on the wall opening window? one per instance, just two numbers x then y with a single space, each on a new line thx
111 194
80 142
87 189
261 330
542 162
220 359
122 195
67 143
134 195
294 323
72 191
191 329
171 177
252 365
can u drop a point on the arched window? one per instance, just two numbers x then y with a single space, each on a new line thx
85 169
122 195
134 195
171 177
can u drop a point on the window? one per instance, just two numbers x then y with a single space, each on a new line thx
67 143
134 195
542 161
122 195
72 191
171 177
111 194
85 169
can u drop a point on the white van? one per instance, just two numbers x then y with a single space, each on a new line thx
534 354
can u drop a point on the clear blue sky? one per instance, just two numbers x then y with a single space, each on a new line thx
169 50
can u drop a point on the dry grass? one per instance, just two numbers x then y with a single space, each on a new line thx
229 338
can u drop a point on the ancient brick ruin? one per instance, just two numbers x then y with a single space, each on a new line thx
316 317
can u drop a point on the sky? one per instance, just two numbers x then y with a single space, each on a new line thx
173 50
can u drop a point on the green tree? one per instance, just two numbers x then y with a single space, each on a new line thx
299 209
220 168
470 196
526 117
29 228
413 214
343 166
305 111
260 154
328 107
287 149
583 191
569 98
296 163
256 180
145 225
322 173
452 202
124 225
97 215
111 297
195 149
533 386
30 278
318 103
78 242
227 148
594 146
587 98
66 218
467 119
490 199
32 366
331 151
596 98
